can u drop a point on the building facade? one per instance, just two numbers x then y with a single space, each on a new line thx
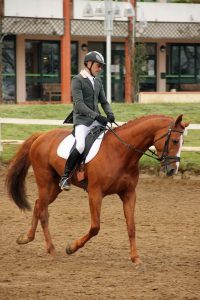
43 44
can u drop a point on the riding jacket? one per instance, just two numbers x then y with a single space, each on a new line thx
86 99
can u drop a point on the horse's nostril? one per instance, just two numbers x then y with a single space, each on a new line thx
171 172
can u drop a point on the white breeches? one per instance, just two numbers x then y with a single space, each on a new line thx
81 131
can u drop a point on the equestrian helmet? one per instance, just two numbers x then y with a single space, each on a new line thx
94 56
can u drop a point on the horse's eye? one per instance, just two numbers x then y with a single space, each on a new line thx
175 142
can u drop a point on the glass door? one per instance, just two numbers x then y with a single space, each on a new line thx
117 68
42 70
148 79
117 73
100 47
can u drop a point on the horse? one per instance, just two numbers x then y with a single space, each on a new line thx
114 170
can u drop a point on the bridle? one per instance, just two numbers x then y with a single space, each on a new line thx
164 158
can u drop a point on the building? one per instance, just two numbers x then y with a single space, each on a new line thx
172 36
44 43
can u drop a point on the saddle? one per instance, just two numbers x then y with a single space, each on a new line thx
92 144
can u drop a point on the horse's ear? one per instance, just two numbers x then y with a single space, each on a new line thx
186 124
178 120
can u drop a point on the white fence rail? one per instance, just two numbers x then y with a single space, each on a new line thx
60 123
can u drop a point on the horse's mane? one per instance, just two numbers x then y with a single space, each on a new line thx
141 119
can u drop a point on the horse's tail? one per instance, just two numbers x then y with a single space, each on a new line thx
17 171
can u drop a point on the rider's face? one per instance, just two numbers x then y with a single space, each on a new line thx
96 67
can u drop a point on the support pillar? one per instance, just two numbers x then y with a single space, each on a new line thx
161 68
66 55
128 75
129 59
20 69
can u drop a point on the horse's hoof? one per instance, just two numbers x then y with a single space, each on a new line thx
24 239
51 250
139 266
69 250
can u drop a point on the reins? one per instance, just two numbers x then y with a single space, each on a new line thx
129 146
164 157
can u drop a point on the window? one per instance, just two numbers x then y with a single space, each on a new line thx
148 79
183 63
74 58
9 69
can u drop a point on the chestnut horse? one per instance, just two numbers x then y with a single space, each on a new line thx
114 170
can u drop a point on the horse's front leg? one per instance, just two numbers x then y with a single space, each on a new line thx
95 201
129 198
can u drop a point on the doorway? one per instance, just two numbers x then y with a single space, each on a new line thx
117 73
42 69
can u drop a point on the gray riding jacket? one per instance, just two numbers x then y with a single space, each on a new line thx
86 99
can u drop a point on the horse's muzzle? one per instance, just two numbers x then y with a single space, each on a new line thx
170 171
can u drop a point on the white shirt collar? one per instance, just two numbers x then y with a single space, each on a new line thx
85 74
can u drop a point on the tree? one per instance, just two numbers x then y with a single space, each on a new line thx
139 67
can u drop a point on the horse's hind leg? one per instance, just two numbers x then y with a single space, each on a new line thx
27 238
95 200
47 194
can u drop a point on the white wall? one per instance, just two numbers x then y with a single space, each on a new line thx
148 11
168 12
79 5
34 8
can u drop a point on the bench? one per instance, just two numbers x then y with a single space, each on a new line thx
190 87
51 90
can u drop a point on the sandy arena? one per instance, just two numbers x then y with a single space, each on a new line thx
168 239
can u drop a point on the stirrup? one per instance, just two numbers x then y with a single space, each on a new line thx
65 184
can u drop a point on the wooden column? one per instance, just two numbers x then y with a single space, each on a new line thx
128 75
66 55
20 69
129 57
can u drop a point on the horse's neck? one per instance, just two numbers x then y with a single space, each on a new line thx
142 134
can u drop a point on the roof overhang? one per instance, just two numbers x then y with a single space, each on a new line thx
96 28
168 30
21 25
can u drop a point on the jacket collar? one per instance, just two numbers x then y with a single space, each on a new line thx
85 74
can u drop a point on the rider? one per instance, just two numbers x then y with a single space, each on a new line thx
87 91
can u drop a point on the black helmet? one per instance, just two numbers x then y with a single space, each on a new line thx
94 56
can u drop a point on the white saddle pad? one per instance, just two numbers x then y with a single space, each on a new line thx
65 147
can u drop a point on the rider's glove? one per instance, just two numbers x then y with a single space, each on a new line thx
101 119
111 117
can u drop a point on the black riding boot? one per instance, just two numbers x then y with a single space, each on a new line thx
69 166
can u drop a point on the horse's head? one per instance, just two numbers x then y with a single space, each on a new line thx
168 143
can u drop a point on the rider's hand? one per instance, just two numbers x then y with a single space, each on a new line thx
111 117
101 119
